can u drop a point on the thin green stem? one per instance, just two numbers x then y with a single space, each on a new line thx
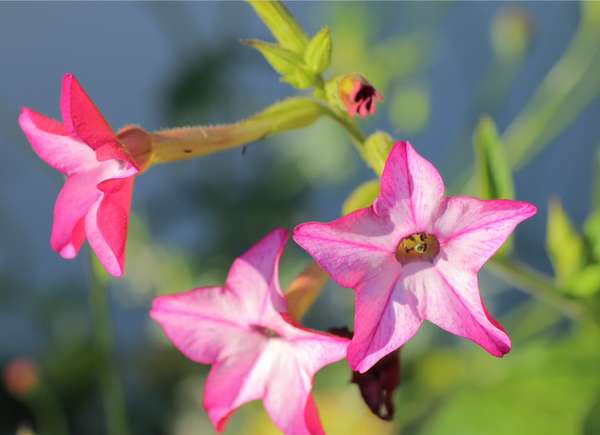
536 284
110 386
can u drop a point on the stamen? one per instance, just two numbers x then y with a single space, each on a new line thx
417 247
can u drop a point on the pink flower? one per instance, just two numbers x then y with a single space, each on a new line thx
414 255
255 351
95 199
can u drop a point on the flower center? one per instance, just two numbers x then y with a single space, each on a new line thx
417 247
267 332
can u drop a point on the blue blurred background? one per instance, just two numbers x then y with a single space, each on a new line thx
440 67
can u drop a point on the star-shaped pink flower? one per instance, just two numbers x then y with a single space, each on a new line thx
95 200
255 351
414 255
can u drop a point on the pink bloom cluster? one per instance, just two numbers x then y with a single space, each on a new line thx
95 199
413 255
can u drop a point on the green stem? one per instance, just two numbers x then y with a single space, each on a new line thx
110 386
535 283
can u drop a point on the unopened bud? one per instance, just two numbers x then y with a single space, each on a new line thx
357 95
377 384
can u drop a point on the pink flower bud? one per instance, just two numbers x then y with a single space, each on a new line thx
358 95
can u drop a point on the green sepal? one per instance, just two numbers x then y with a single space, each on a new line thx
318 52
283 26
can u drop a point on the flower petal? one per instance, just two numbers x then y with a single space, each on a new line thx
349 248
288 398
50 141
201 322
254 276
107 222
471 230
75 199
83 120
239 378
450 299
411 189
386 317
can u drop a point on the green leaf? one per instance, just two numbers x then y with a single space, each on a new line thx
491 167
363 196
564 245
586 282
285 62
376 150
282 24
318 52
493 172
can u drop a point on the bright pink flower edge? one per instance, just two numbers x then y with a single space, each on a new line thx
95 200
358 251
256 352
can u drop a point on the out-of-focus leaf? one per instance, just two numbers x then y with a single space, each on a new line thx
525 393
377 147
281 59
491 166
563 243
363 196
493 173
586 282
591 424
318 53
591 226
511 33
282 24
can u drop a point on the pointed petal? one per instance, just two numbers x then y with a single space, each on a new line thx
75 199
386 317
255 276
288 398
411 189
451 300
83 120
107 222
471 230
237 379
50 141
349 248
201 322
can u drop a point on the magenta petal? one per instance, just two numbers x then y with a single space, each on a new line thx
81 117
106 225
385 318
254 275
454 304
350 247
74 200
411 189
50 141
472 230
